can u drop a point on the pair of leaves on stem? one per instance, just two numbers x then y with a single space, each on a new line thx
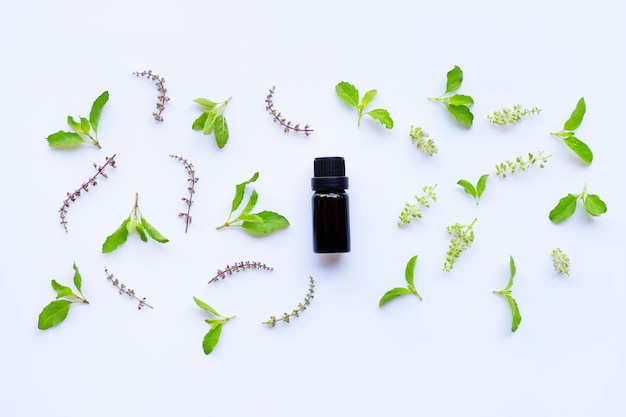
55 312
216 322
567 134
567 206
135 222
212 120
458 104
83 129
348 93
475 192
400 291
506 293
261 223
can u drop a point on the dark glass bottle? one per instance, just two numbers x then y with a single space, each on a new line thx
331 217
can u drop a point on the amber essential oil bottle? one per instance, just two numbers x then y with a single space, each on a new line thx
331 216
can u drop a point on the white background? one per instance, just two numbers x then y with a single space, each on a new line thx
452 353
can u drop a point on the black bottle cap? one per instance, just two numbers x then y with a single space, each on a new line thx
329 174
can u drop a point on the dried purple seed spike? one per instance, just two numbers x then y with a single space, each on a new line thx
160 84
278 117
193 180
237 267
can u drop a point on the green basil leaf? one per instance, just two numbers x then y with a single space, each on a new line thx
462 114
206 104
116 238
152 232
577 115
142 233
348 93
367 98
254 197
211 115
74 124
221 131
53 314
513 270
482 184
580 148
62 290
271 222
516 316
250 218
410 271
63 139
212 337
460 100
454 79
85 127
382 116
564 209
198 124
239 191
96 110
392 294
594 205
206 307
467 187
78 280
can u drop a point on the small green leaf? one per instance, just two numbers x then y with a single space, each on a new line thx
85 127
577 115
468 187
382 116
594 205
53 314
271 222
78 280
516 316
239 191
62 290
198 124
367 98
212 337
211 115
206 104
348 93
462 114
482 184
221 131
250 218
392 294
62 138
580 148
454 79
410 271
513 271
460 100
206 307
254 197
564 209
117 238
96 110
142 233
152 232
74 124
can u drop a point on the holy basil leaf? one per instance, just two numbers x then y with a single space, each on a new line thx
460 100
461 113
62 290
382 116
577 115
564 209
96 110
198 124
271 222
367 98
53 314
212 337
206 104
580 148
62 138
454 79
85 127
141 232
348 93
221 131
206 307
468 188
254 197
211 115
392 294
239 191
152 232
75 125
594 205
117 238
482 184
410 271
250 218
515 313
